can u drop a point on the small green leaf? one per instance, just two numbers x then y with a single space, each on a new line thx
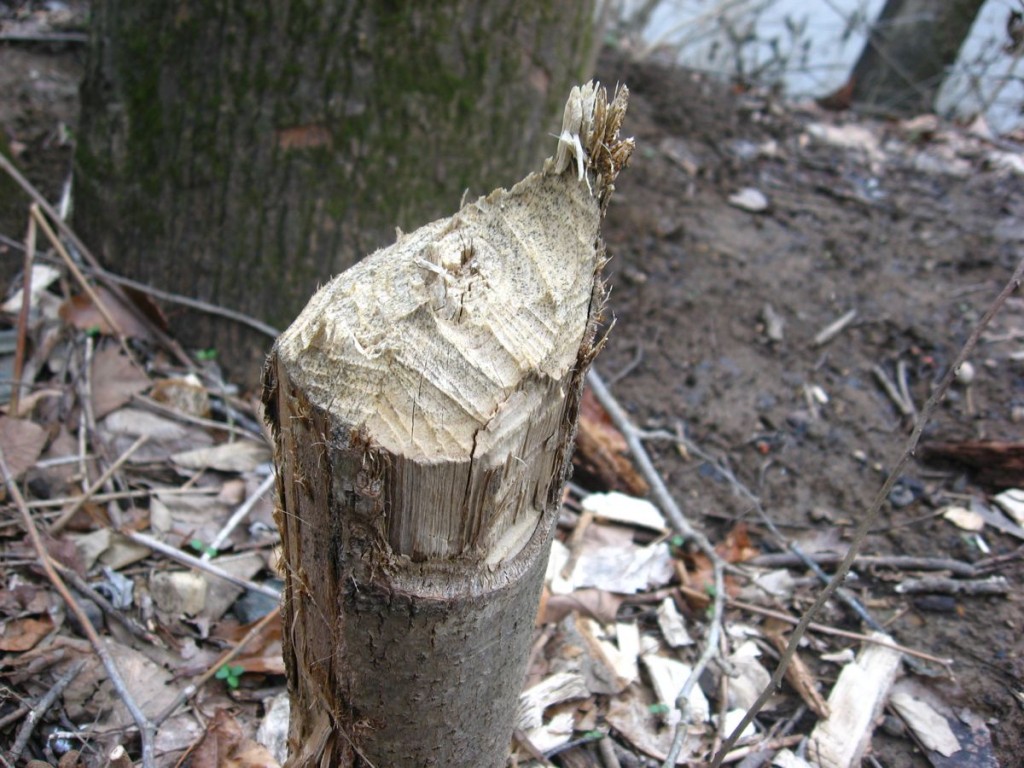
206 355
676 541
223 673
658 709
202 548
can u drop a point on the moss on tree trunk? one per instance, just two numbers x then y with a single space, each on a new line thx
242 153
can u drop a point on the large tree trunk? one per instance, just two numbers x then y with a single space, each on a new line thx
912 45
423 408
239 152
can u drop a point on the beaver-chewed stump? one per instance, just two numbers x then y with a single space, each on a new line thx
423 408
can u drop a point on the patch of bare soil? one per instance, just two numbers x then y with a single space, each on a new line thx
914 231
904 232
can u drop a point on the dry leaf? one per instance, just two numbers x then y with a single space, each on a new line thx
601 450
799 674
80 312
224 745
43 276
115 378
619 508
598 604
964 519
22 441
22 634
166 437
185 395
736 547
239 456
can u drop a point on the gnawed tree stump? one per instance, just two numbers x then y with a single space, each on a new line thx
423 408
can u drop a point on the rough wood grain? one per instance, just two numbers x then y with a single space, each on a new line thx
423 407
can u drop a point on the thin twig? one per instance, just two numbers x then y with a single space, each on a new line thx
233 429
900 562
146 730
901 380
844 595
117 495
26 304
41 708
58 525
874 510
905 407
742 490
94 297
834 328
239 515
993 585
194 562
186 301
823 629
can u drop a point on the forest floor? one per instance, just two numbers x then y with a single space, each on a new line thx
904 232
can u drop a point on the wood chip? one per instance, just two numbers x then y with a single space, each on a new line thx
855 703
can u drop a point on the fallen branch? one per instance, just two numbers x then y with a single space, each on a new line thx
900 562
994 585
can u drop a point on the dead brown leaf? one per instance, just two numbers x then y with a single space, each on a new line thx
737 547
115 378
185 395
601 450
798 674
22 634
80 312
224 745
598 604
22 441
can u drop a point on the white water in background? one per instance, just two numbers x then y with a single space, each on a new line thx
821 41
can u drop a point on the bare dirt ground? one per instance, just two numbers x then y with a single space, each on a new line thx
717 308
919 254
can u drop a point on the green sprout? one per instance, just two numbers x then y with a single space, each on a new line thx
204 549
658 709
230 675
206 355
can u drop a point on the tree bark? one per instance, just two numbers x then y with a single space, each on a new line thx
238 152
423 407
911 47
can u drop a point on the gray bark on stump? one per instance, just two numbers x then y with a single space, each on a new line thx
239 152
423 408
